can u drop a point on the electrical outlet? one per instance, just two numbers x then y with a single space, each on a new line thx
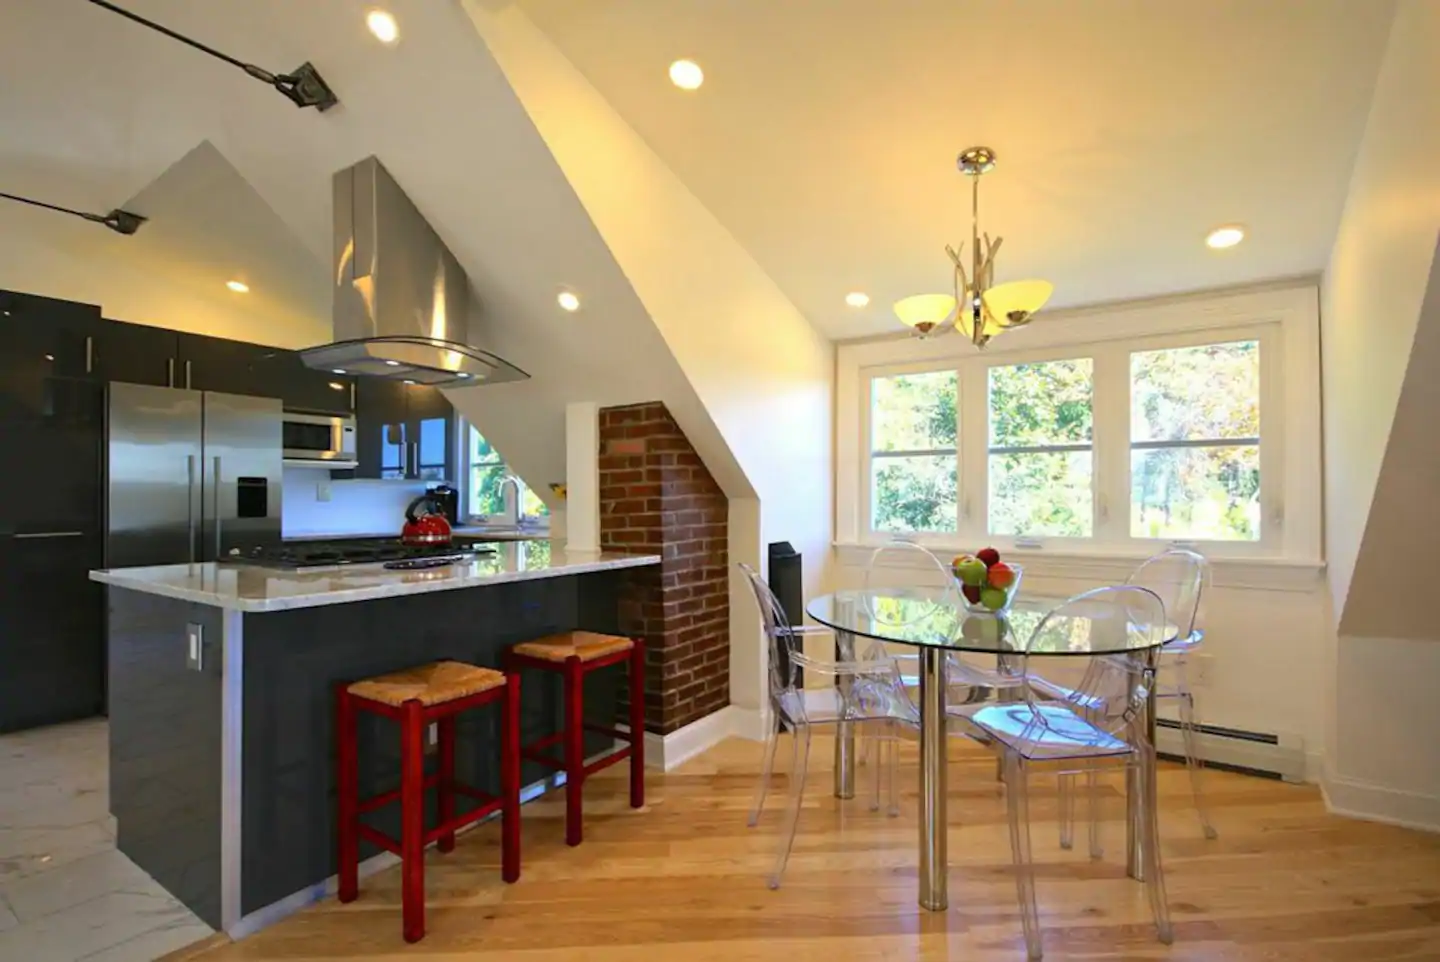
322 491
1200 668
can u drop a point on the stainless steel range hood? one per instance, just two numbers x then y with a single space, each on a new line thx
401 298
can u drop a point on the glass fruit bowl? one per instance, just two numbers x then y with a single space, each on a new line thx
987 589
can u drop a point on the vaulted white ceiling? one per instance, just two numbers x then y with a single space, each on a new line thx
826 132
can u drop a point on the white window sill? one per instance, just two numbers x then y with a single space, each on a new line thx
1111 566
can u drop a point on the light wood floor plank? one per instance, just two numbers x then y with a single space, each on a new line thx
683 881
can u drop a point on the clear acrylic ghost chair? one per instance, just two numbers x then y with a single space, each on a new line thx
866 690
1100 725
1179 577
938 594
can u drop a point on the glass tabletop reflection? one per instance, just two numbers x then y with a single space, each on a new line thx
929 617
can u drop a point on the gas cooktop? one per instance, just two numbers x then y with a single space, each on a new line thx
360 551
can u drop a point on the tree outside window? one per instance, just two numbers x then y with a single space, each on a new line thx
1041 465
1195 442
487 469
913 457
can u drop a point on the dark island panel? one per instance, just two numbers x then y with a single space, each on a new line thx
293 660
165 745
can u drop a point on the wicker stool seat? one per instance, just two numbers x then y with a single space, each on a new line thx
585 645
431 684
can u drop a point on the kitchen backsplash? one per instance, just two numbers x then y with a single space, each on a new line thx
355 507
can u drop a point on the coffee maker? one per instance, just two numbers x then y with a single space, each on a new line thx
449 501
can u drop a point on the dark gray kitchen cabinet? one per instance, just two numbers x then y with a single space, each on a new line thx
133 353
311 391
41 337
52 640
404 431
230 367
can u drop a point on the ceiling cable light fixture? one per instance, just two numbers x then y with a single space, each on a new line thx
120 221
302 86
978 309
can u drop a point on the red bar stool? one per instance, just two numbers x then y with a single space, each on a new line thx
574 655
416 698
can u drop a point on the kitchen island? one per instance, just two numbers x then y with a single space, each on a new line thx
221 695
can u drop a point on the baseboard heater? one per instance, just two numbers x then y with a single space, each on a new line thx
1232 749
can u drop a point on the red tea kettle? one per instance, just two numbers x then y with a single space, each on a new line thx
425 523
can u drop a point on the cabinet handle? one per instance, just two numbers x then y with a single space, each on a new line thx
352 397
187 375
49 534
169 372
89 354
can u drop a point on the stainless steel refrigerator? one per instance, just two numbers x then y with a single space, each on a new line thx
191 474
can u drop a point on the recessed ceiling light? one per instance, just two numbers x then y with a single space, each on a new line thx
383 26
857 298
338 370
1223 237
393 363
568 301
408 381
336 386
462 374
239 287
686 74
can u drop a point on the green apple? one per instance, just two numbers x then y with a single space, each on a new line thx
970 570
993 598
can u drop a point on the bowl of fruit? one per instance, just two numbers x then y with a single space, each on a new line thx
988 584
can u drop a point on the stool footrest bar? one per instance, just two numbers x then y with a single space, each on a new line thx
376 837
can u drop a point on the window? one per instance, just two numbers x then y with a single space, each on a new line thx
1151 436
912 452
1195 442
1041 468
486 496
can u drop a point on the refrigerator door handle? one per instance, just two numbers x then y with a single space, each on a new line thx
217 507
190 505
29 535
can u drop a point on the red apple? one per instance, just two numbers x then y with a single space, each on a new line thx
972 593
1001 575
988 555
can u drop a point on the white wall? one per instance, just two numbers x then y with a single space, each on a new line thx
762 373
358 507
1381 759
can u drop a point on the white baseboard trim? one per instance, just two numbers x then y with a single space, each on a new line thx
668 752
1377 803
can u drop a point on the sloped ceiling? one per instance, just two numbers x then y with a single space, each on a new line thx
95 108
826 133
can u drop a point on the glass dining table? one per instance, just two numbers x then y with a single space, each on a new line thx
931 621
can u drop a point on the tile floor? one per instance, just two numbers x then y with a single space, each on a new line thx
66 893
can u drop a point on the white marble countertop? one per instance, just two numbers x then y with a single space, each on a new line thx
242 587
467 531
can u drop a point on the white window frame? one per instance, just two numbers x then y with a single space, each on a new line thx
538 522
1284 319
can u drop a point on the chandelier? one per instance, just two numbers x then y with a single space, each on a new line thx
978 309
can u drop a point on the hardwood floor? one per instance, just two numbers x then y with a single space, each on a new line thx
683 880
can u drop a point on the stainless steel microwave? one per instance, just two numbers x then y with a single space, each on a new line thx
319 441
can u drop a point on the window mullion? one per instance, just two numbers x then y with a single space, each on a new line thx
1112 443
974 421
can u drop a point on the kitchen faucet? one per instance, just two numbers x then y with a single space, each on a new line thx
512 513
